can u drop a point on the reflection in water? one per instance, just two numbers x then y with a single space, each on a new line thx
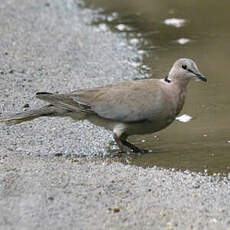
183 41
164 31
177 22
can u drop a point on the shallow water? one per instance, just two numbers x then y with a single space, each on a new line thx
164 31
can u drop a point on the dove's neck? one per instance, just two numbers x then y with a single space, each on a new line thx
178 80
176 91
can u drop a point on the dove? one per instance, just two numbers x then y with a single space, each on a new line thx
134 107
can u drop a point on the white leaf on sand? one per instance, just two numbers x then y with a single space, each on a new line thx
184 118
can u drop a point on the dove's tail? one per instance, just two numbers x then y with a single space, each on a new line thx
48 110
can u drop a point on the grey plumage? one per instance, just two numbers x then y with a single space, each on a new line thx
127 108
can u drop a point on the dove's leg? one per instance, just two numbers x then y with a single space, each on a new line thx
120 136
124 145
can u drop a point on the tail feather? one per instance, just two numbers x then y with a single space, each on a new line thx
65 101
60 105
17 118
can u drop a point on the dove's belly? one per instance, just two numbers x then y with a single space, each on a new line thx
132 128
146 127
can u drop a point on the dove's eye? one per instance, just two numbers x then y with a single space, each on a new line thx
184 66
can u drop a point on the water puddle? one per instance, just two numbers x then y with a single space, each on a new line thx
163 31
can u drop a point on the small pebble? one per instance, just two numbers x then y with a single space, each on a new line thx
196 186
121 27
26 106
116 209
73 160
134 41
228 177
103 27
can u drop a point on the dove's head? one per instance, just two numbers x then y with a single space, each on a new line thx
183 70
